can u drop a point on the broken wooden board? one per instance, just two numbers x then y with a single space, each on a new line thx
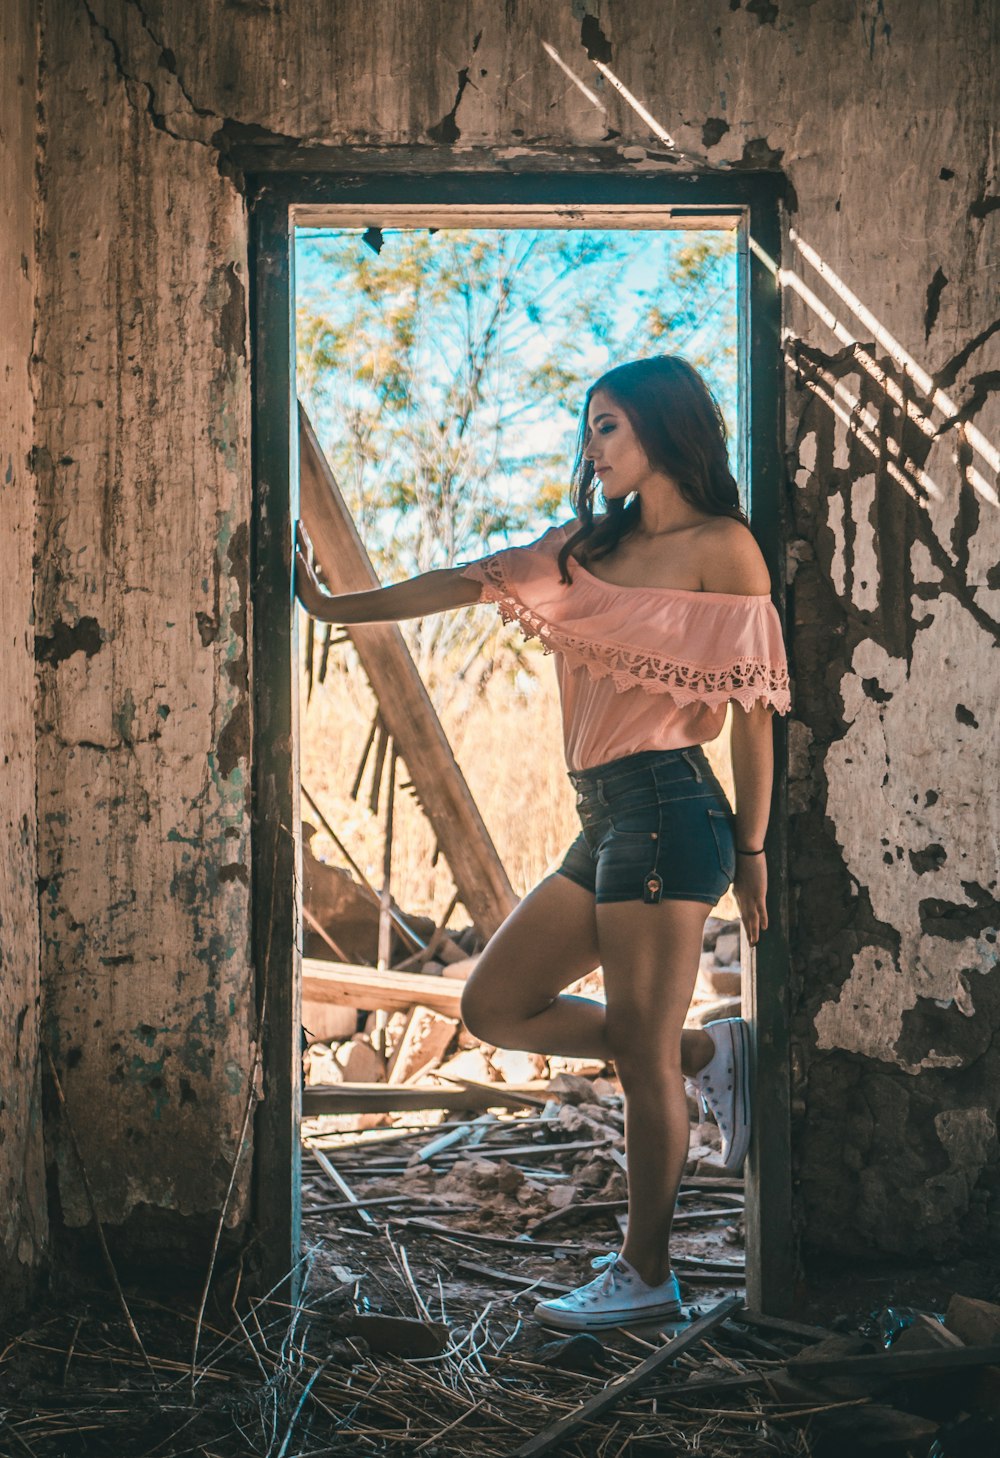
422 1043
405 706
344 985
895 1364
571 1422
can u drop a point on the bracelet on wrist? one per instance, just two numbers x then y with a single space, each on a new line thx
740 852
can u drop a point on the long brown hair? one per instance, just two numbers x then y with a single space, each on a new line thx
679 426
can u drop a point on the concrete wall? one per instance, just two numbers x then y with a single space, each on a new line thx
142 423
22 1205
880 117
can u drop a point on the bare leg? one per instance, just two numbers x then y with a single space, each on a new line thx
513 997
650 956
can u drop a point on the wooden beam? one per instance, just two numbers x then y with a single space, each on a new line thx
383 1098
405 706
343 985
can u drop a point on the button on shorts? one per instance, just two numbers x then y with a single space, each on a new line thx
657 826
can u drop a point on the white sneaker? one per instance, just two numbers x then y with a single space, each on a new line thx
724 1087
617 1297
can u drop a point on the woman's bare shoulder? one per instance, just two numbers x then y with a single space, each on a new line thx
729 559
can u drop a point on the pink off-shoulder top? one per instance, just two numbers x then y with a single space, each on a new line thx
638 667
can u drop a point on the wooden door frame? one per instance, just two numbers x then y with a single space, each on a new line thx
286 188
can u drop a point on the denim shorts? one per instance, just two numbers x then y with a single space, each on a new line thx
656 827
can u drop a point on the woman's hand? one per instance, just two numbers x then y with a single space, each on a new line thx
750 890
308 589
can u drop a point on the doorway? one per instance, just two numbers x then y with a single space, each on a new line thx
745 210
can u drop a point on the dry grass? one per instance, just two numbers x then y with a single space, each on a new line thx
507 739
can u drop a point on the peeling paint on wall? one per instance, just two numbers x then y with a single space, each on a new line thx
23 1216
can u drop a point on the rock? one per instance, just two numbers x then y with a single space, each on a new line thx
577 1067
615 1187
579 1353
976 1323
509 1178
727 948
707 1134
321 1065
324 1023
571 1088
708 1012
458 968
607 1088
714 928
516 1066
359 1062
420 1174
590 1176
696 1153
711 1164
473 1064
721 981
574 1122
925 1334
561 1195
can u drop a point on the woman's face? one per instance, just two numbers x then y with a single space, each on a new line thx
613 446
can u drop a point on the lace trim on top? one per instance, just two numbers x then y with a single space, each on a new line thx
744 679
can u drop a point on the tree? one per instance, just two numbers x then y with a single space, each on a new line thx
445 371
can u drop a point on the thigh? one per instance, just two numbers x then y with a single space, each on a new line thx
650 956
547 942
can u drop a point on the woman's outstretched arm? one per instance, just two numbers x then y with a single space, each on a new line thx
432 592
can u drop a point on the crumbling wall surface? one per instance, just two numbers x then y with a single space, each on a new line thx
141 637
22 1191
880 118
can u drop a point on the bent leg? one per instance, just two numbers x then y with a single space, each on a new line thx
512 998
650 956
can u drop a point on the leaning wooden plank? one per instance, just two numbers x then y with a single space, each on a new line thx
625 1385
345 985
381 1098
406 709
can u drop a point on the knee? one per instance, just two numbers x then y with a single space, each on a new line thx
479 1013
642 1062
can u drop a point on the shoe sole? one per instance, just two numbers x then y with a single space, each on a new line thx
598 1322
739 1035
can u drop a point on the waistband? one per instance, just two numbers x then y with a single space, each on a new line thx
693 755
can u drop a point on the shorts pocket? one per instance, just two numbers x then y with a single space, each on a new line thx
639 825
721 822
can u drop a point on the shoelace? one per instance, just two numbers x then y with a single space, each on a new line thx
606 1285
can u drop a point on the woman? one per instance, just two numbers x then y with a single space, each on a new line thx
658 613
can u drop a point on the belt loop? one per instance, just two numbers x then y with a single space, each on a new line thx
692 765
600 793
